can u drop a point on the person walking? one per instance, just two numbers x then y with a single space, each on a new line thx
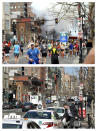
54 55
21 48
16 52
33 55
6 50
71 49
74 113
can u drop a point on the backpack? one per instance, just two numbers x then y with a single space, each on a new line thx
54 55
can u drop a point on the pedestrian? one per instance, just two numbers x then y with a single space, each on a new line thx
71 49
49 49
66 50
33 55
21 48
3 53
6 50
62 50
16 52
54 55
67 115
44 52
76 48
74 113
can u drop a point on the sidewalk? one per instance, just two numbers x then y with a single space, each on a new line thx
85 121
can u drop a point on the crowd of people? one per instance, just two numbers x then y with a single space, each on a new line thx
38 51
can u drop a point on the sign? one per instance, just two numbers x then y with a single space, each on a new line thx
81 86
13 95
63 37
80 31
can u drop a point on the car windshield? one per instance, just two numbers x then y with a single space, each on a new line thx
11 126
59 110
38 115
50 109
56 110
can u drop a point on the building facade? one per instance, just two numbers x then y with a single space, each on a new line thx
6 26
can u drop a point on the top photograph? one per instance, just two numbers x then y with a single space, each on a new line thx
48 32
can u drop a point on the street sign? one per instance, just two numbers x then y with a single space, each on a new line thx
81 86
63 37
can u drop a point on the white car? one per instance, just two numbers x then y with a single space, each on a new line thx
44 118
13 121
19 124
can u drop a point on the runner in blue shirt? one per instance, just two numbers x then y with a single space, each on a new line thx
33 55
16 52
71 48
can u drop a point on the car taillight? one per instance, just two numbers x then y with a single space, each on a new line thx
49 124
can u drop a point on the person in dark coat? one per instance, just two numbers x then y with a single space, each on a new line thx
74 113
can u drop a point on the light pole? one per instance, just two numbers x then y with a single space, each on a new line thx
81 16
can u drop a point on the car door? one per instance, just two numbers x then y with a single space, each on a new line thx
57 121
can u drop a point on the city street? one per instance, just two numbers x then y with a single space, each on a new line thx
50 90
84 123
62 60
49 26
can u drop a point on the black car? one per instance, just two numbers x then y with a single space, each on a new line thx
27 106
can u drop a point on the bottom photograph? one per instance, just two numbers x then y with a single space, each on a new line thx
48 97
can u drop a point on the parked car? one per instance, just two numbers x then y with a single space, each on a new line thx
44 118
27 106
60 110
6 106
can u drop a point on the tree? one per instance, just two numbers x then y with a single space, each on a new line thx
87 77
70 12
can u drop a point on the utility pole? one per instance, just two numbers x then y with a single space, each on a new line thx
80 31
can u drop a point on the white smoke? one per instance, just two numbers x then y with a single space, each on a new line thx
40 9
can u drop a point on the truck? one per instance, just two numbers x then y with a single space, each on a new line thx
38 102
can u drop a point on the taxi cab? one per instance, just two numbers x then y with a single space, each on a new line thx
13 121
44 118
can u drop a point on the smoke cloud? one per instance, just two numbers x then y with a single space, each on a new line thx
41 9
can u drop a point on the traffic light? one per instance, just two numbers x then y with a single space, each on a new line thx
25 10
56 20
14 28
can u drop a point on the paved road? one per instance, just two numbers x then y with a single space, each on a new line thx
65 60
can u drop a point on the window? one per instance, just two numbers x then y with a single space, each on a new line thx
7 24
11 7
38 115
11 126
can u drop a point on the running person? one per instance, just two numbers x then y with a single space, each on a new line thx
21 48
44 52
16 52
6 50
33 55
54 55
